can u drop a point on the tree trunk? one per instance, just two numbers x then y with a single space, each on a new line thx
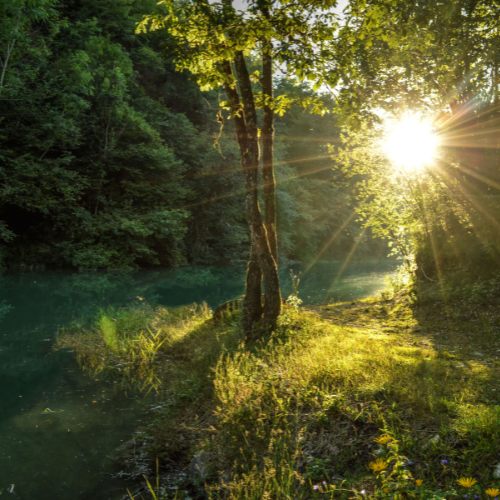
272 303
252 303
261 263
269 182
269 188
5 62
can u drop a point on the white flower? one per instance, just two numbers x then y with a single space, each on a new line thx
496 471
434 439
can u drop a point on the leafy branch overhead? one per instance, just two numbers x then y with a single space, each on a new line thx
211 34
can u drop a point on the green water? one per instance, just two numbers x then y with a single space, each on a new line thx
59 429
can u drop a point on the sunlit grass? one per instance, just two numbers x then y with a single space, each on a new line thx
333 380
304 414
131 342
307 408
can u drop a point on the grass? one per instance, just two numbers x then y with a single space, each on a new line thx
382 398
132 344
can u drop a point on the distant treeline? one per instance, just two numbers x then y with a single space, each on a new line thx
110 158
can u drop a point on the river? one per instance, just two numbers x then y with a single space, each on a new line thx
60 429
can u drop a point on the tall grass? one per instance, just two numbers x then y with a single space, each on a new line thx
308 412
132 342
305 410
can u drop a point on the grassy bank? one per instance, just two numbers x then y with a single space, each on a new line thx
382 398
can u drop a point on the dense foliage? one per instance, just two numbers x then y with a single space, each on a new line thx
111 158
442 60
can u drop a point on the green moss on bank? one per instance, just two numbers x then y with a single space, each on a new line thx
302 415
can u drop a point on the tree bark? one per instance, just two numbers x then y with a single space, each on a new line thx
269 181
272 294
252 303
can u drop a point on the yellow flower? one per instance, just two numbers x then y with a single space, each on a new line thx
466 482
383 439
493 492
419 482
378 465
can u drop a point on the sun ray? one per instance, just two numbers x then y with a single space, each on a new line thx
278 163
434 250
329 242
349 256
468 195
410 143
471 138
241 192
480 177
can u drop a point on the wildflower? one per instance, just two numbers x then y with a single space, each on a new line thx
363 492
492 492
383 439
496 471
434 439
316 487
419 482
444 461
467 482
378 465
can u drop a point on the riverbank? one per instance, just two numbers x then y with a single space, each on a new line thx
376 398
48 403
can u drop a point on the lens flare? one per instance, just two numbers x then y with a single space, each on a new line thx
410 143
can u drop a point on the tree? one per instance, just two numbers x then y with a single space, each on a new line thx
419 53
218 44
94 167
441 58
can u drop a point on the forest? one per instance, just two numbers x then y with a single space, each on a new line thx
250 249
112 159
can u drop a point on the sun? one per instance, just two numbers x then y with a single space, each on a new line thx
410 142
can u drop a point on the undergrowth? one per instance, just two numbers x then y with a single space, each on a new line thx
353 400
132 343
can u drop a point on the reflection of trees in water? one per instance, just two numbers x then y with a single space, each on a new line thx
37 304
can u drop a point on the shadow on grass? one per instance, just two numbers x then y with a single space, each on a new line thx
170 354
441 378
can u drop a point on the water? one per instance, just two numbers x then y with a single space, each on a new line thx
59 429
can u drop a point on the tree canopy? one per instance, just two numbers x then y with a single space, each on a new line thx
110 157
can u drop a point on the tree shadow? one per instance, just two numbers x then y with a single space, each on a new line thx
182 405
444 380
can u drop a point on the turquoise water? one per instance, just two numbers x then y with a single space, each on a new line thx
59 429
